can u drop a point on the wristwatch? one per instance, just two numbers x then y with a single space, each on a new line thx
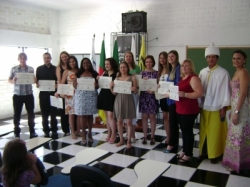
236 111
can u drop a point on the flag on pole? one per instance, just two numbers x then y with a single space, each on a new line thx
92 55
115 52
102 57
142 53
101 113
133 50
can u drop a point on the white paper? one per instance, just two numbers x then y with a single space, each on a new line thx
122 87
86 84
164 87
46 85
149 84
65 89
25 78
159 96
138 77
174 92
56 102
104 82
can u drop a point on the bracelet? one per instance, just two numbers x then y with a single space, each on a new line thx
186 94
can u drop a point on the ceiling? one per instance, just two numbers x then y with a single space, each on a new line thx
73 4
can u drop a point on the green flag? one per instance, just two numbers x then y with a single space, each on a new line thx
102 59
115 52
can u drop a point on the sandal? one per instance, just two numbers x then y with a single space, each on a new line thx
128 146
179 156
184 161
112 141
74 137
107 139
90 137
152 141
144 141
83 142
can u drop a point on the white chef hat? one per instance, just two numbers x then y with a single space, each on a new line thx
211 50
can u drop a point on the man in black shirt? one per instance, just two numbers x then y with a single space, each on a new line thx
47 72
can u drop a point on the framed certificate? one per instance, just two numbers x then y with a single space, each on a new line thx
46 85
149 84
56 102
164 87
104 82
174 92
25 78
123 87
86 84
65 89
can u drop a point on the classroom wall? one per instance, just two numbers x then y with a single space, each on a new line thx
177 24
27 26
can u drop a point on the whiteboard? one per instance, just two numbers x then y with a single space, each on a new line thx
156 50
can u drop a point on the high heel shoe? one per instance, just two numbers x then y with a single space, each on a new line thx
144 141
170 150
152 141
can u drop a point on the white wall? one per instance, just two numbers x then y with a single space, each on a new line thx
177 24
26 26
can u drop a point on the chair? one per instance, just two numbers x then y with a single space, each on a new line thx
87 176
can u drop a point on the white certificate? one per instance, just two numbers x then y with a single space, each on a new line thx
138 77
86 84
164 87
174 92
25 78
159 96
56 102
104 82
149 84
65 89
123 87
46 85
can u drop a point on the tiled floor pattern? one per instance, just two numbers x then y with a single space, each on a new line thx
119 163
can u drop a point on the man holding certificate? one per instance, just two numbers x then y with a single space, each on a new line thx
46 80
23 94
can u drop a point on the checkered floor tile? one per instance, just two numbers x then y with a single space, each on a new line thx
119 163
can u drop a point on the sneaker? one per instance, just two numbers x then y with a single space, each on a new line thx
46 135
133 140
66 134
33 135
54 135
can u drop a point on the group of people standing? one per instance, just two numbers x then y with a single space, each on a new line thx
208 94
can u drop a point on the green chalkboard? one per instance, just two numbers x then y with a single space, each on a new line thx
197 55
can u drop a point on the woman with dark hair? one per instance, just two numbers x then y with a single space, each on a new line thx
133 69
163 71
106 99
85 102
19 167
62 66
148 105
237 151
68 78
124 107
174 76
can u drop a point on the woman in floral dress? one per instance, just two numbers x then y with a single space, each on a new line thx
237 151
68 77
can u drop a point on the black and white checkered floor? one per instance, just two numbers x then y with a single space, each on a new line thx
118 164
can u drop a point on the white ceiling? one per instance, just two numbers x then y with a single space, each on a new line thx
73 4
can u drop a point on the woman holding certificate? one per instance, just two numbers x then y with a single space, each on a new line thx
174 76
148 105
62 66
68 76
133 69
85 99
106 98
163 72
187 108
124 106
